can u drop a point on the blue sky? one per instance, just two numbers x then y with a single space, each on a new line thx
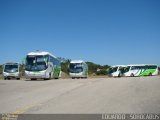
102 31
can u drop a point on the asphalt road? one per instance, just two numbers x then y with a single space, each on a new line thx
98 95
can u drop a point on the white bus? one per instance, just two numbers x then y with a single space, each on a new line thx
11 70
42 65
116 71
78 69
141 70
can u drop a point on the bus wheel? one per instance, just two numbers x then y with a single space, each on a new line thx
56 78
132 75
18 78
73 78
150 74
50 77
119 75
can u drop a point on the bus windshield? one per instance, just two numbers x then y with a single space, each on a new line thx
36 63
76 67
11 68
113 69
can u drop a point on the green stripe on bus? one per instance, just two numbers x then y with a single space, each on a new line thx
56 72
147 72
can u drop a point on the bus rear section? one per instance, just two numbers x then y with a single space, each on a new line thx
150 70
78 69
11 70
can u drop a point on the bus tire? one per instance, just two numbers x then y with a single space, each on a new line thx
50 77
119 75
132 75
150 74
18 78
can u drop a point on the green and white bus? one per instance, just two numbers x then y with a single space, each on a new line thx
141 70
42 65
78 69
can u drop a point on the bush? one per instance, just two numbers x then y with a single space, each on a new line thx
65 66
1 69
101 72
92 68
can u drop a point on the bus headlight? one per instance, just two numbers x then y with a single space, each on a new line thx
5 74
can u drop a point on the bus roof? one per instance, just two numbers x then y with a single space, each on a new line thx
11 63
77 61
141 64
40 53
119 66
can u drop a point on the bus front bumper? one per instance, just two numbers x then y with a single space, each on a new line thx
76 75
11 75
35 75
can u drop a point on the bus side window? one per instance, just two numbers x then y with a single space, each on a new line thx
133 68
146 67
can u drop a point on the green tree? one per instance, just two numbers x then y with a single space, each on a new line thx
65 66
1 69
97 69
